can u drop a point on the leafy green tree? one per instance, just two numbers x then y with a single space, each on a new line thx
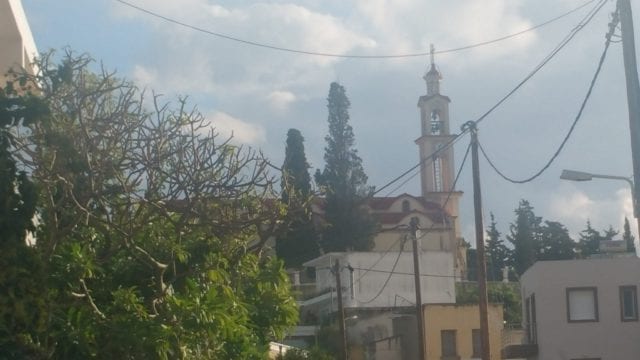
299 241
498 254
589 242
314 353
152 227
507 294
628 237
349 224
555 242
22 304
525 236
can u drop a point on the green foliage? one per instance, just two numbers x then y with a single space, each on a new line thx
314 353
628 238
498 254
525 235
330 339
555 242
507 294
299 242
589 242
151 231
349 224
22 304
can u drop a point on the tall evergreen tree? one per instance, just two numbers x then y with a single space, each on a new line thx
628 237
555 242
497 252
349 224
525 235
299 243
589 242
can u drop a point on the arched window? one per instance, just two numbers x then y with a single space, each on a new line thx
406 207
436 124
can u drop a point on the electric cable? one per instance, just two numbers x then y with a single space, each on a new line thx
585 20
334 55
450 193
612 27
403 183
408 273
431 156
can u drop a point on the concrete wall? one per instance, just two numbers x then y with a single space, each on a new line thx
608 338
17 48
362 287
463 319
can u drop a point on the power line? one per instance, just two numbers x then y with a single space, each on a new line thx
585 20
422 161
612 27
327 54
407 273
386 282
548 58
453 186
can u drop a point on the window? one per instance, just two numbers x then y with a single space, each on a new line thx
530 315
628 303
582 304
476 343
448 342
406 206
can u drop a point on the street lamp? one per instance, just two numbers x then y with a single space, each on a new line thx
584 176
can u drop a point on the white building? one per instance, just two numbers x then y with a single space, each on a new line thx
381 280
581 309
17 48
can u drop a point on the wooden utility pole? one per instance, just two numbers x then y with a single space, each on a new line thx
343 330
633 95
416 271
482 265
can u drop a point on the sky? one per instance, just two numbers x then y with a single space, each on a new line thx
258 94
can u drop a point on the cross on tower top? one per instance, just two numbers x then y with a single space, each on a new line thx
432 53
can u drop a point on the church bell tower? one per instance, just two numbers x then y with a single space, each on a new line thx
437 174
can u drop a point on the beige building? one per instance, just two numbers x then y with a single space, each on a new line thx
580 309
17 48
453 331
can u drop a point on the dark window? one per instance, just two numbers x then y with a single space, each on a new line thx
629 303
530 318
476 343
406 207
448 342
582 304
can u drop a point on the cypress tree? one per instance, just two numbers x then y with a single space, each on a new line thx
497 253
299 243
349 224
628 238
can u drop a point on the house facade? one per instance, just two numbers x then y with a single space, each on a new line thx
581 309
453 331
17 48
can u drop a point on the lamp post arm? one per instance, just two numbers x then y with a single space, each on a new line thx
633 192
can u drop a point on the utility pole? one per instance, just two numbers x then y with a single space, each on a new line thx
633 95
343 330
413 224
482 264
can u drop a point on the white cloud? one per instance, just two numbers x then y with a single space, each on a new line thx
573 208
281 100
243 133
575 205
192 62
